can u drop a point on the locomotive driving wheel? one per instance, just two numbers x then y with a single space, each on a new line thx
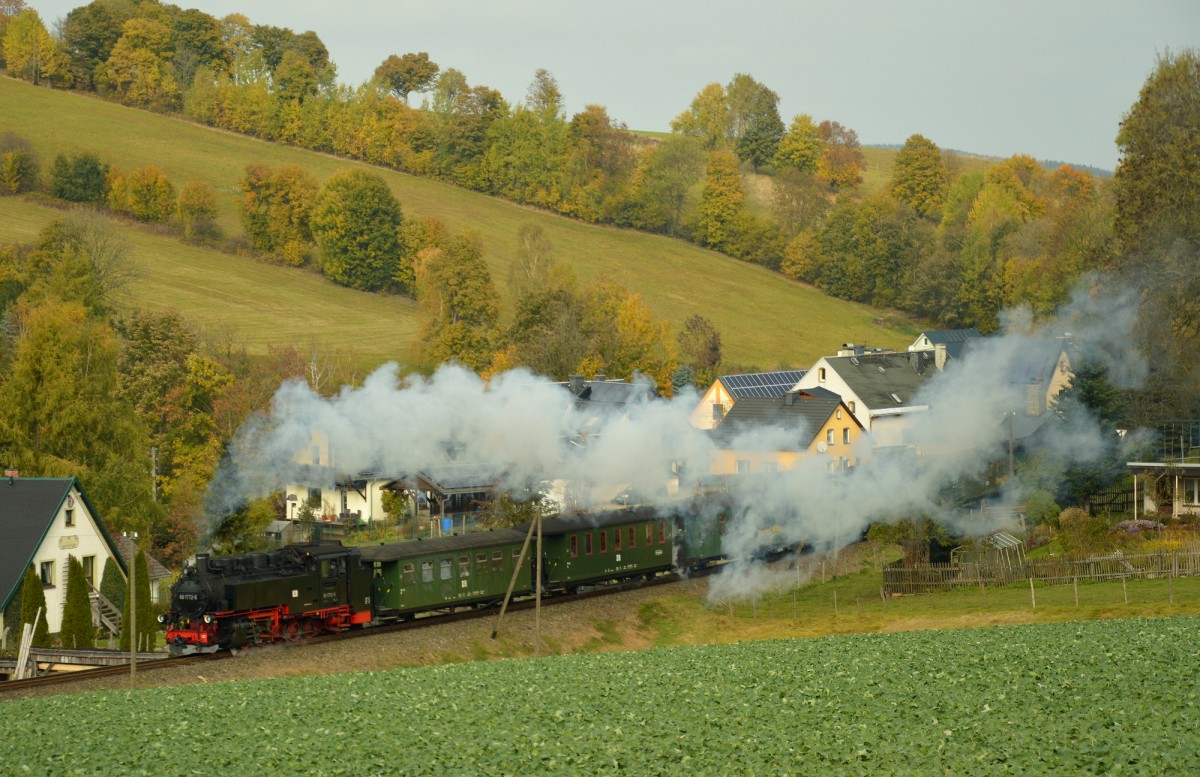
292 632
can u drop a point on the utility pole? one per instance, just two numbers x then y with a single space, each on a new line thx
132 625
537 602
154 473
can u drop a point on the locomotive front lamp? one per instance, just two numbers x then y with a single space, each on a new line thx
208 618
162 617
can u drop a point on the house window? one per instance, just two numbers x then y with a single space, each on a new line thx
829 437
426 571
716 411
770 466
846 434
632 537
616 539
69 516
820 374
852 406
574 546
410 573
316 454
742 466
497 560
47 573
604 541
89 570
838 414
446 571
464 566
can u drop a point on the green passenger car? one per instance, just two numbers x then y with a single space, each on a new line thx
605 546
471 570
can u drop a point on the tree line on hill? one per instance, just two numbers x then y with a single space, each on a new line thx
955 248
951 247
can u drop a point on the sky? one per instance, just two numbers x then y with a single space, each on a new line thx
1041 77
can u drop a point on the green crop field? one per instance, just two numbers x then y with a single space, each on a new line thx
1065 698
765 320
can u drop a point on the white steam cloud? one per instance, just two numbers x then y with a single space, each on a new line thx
521 426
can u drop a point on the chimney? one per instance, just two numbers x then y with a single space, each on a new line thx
576 384
939 356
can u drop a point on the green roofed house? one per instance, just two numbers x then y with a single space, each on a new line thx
44 521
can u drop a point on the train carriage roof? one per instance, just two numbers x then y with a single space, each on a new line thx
419 548
600 520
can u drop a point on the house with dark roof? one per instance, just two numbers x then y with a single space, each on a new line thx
777 433
605 393
726 390
160 576
946 344
879 388
43 522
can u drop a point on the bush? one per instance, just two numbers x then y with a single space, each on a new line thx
33 598
112 584
197 210
18 165
146 194
1040 508
79 178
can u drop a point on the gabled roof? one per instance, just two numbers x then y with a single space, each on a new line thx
1037 360
805 411
760 384
155 567
28 507
608 392
885 380
459 478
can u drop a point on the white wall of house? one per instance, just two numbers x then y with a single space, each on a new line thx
703 416
82 539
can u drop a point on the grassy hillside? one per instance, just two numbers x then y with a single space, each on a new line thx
259 304
765 320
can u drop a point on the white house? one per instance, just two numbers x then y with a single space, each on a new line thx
43 522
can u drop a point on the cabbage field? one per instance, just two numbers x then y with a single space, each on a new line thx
1099 697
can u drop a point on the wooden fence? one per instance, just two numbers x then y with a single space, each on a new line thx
924 578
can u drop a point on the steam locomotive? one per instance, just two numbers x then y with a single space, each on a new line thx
224 602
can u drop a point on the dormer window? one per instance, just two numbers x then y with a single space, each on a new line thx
821 374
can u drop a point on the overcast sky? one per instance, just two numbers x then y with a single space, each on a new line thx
1041 77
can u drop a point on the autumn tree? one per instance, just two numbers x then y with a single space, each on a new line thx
89 33
755 126
146 194
197 210
919 177
721 200
798 201
1157 227
76 631
29 51
18 164
699 346
356 223
459 305
600 161
139 70
62 415
276 210
624 336
707 119
801 147
842 162
408 73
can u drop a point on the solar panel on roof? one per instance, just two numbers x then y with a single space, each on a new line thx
762 384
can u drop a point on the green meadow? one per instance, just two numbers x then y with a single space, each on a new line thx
766 321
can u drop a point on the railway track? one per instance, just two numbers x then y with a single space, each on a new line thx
424 621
